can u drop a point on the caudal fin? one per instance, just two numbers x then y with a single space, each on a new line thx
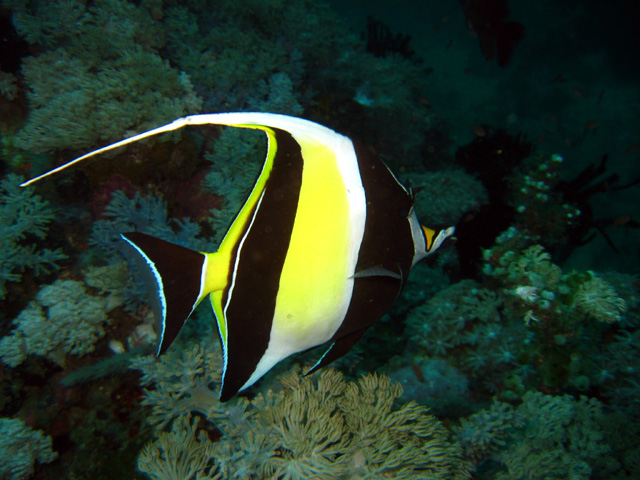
175 278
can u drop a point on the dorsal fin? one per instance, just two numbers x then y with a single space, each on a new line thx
378 271
302 130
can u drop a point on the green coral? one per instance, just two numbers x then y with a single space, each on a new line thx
183 378
63 319
100 77
320 426
210 50
270 37
528 321
551 437
92 31
20 448
557 308
598 299
24 216
448 195
561 438
539 291
446 319
77 105
180 454
485 432
464 324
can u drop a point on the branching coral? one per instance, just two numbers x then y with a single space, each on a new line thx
97 105
210 50
320 426
23 215
556 307
438 324
186 380
100 77
555 437
20 448
539 319
179 454
465 322
146 214
101 29
539 289
598 299
451 194
465 318
531 267
64 318
484 432
355 430
560 438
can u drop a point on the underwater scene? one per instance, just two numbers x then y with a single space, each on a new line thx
489 147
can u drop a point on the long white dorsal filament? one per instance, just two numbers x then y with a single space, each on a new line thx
301 129
175 125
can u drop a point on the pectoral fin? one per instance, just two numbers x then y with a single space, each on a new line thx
377 272
337 349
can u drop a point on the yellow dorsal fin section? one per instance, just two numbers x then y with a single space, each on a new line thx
246 212
216 273
216 305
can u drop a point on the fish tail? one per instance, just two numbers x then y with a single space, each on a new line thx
176 278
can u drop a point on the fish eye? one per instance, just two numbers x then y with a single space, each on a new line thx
404 212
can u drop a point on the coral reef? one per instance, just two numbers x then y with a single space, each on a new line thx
486 431
24 217
464 324
314 426
527 322
102 67
532 368
181 454
443 197
63 319
599 300
535 284
20 448
434 382
56 100
555 437
146 214
438 324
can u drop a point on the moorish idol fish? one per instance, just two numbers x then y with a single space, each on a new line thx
320 250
